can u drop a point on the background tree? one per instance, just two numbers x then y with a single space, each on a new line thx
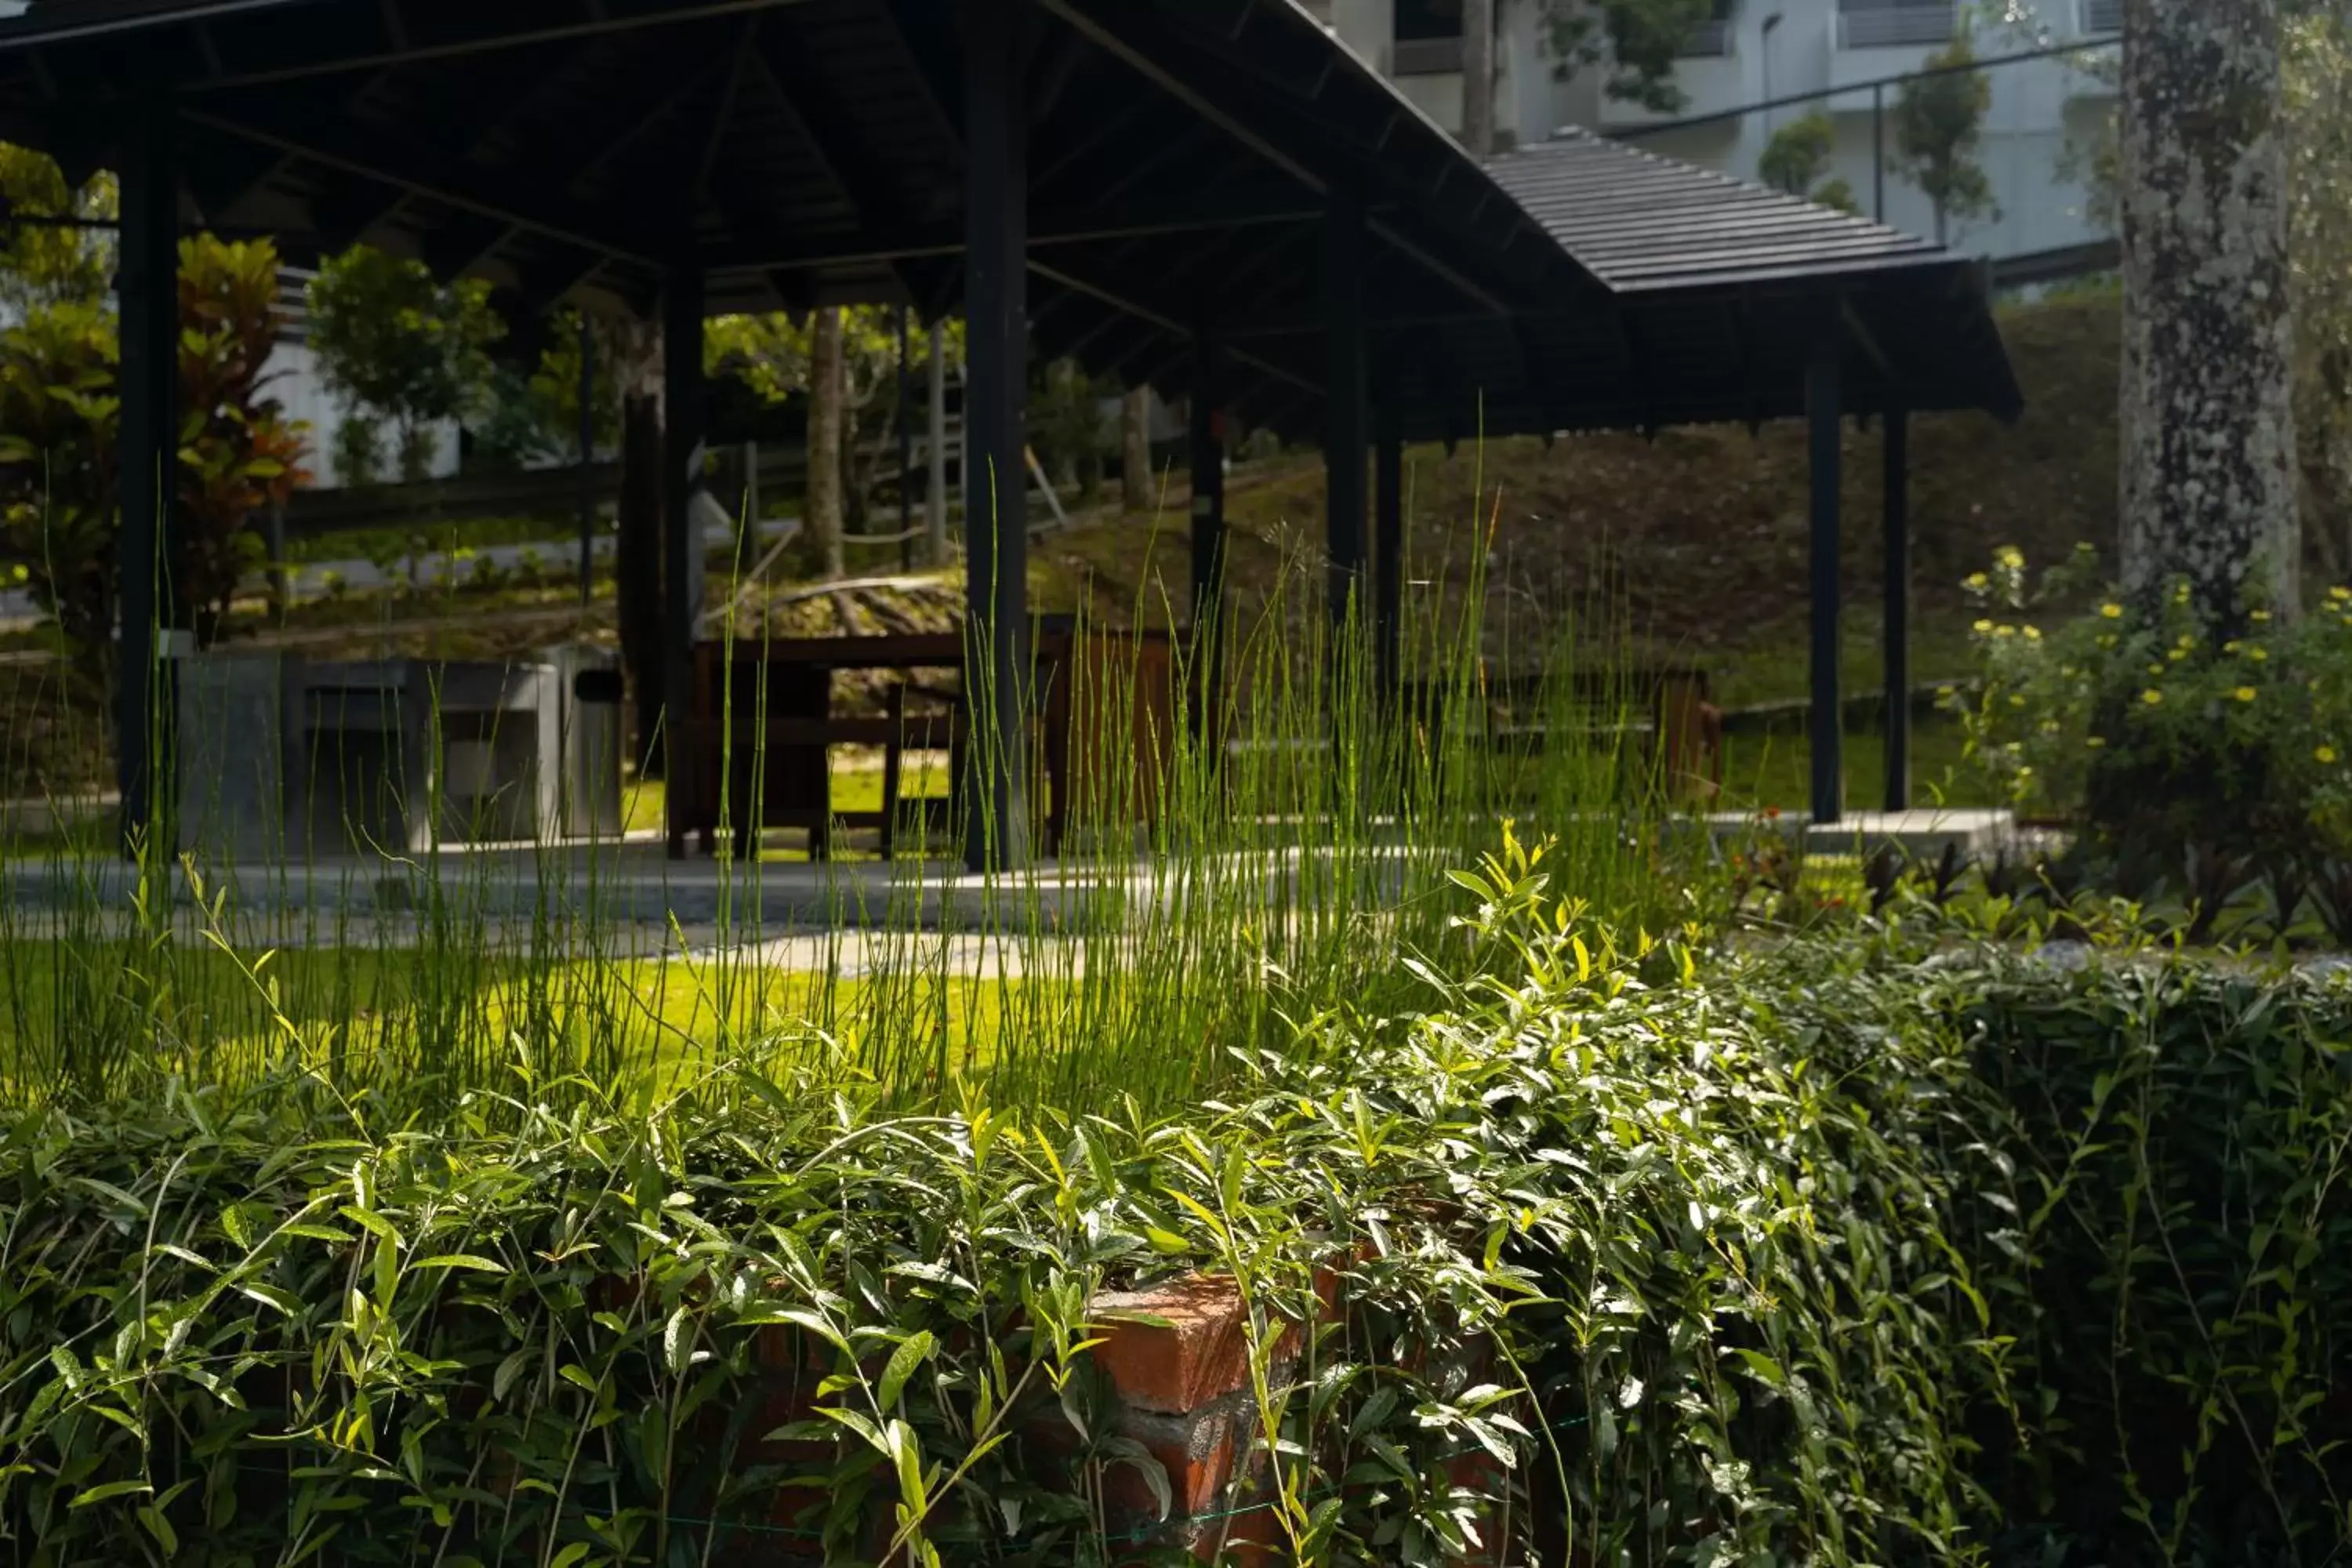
403 345
1135 474
531 410
40 263
637 361
776 357
1636 42
1478 76
2317 103
59 426
1070 428
238 451
1796 155
1937 122
2208 432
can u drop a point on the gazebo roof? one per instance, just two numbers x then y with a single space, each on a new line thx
1717 286
807 151
802 152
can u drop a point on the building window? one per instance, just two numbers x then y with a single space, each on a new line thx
1894 24
1428 37
1712 38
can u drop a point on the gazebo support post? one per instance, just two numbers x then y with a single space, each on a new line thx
587 441
1388 553
682 480
1821 412
996 522
1344 432
1208 450
149 297
1898 436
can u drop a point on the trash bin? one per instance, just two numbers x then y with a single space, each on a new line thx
591 736
278 755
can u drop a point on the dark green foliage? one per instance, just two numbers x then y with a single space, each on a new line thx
2164 1229
1891 1248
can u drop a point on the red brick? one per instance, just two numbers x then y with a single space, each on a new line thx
1198 1353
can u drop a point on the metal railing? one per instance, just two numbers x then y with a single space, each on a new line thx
2041 203
1711 40
1896 26
1428 57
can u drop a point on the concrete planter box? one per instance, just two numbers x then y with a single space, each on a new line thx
282 758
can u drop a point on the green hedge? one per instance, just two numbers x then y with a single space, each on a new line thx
1863 1251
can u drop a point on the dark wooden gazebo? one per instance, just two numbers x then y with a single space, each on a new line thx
1729 301
1212 196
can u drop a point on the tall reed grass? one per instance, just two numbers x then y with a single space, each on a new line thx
1295 866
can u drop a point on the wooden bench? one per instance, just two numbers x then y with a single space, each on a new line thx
764 722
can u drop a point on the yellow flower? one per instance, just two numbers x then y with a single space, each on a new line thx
2232 647
2113 612
2033 634
2017 701
2176 655
2152 697
1981 627
2258 654
2261 615
2095 741
2327 754
2244 694
2339 593
2156 669
2010 556
1977 581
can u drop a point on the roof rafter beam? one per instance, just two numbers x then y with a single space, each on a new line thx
1108 39
368 162
940 89
663 106
618 16
1162 319
1084 227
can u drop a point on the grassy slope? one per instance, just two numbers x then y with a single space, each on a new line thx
1700 535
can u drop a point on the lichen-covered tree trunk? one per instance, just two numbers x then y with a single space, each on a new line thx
1478 76
637 533
2208 476
828 397
1135 451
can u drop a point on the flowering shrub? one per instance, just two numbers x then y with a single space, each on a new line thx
2139 723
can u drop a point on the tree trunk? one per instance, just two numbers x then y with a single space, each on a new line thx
2209 480
1478 76
637 533
1135 450
828 394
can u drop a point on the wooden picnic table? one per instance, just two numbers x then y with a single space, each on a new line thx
765 720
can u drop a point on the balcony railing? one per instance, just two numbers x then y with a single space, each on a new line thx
1898 27
2101 16
1711 40
1428 57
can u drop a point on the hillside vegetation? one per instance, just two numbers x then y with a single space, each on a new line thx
1696 540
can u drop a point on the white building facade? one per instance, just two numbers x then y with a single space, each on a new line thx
2046 118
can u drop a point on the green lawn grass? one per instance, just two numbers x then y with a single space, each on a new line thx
633 1022
1774 768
